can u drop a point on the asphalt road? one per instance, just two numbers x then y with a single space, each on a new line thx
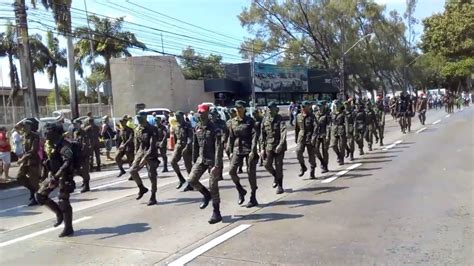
409 202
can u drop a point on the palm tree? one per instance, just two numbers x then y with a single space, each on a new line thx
108 41
62 16
8 47
48 58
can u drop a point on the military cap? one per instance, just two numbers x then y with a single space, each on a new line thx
179 113
240 103
27 121
272 105
142 113
77 121
305 103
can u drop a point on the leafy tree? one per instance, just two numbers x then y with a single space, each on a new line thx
93 82
8 48
196 66
108 41
64 94
449 35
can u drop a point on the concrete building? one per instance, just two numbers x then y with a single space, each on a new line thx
157 82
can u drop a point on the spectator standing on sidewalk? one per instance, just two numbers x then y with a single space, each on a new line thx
5 150
17 141
291 109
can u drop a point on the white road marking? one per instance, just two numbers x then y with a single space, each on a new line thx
341 173
436 122
392 145
209 245
35 234
421 130
447 116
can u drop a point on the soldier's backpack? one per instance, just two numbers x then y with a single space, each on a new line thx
77 158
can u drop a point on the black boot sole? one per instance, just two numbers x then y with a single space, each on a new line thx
141 193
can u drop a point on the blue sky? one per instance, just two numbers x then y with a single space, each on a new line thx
217 15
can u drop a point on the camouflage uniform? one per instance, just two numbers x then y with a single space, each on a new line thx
243 138
274 146
360 127
29 171
338 136
380 114
305 137
126 146
59 165
183 148
145 149
162 145
82 139
372 126
323 138
350 119
93 132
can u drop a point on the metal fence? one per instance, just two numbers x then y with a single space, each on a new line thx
11 114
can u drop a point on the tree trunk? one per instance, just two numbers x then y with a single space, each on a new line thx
57 96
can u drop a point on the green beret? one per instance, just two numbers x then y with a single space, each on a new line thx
272 105
306 103
240 103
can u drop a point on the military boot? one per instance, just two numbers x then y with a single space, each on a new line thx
361 152
122 172
181 181
303 170
165 169
68 230
206 198
216 213
242 193
33 201
86 187
53 206
280 187
324 168
370 147
141 191
341 160
381 142
188 188
152 200
275 181
311 173
253 199
240 171
351 157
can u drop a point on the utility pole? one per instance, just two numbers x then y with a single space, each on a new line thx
252 79
93 57
341 78
27 74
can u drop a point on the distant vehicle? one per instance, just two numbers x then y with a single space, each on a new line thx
161 112
62 112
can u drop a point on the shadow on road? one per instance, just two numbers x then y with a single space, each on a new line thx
367 169
114 188
180 201
263 217
375 157
120 230
369 161
295 203
351 176
80 200
321 190
17 213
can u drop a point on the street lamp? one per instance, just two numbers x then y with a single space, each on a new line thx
342 79
405 69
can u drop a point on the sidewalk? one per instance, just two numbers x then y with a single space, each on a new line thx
13 182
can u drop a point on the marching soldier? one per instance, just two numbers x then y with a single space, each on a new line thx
29 172
233 113
338 136
258 117
93 132
380 114
323 135
350 118
360 127
80 136
243 138
183 148
274 145
305 137
221 124
59 166
421 108
162 143
125 144
146 153
371 125
207 154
